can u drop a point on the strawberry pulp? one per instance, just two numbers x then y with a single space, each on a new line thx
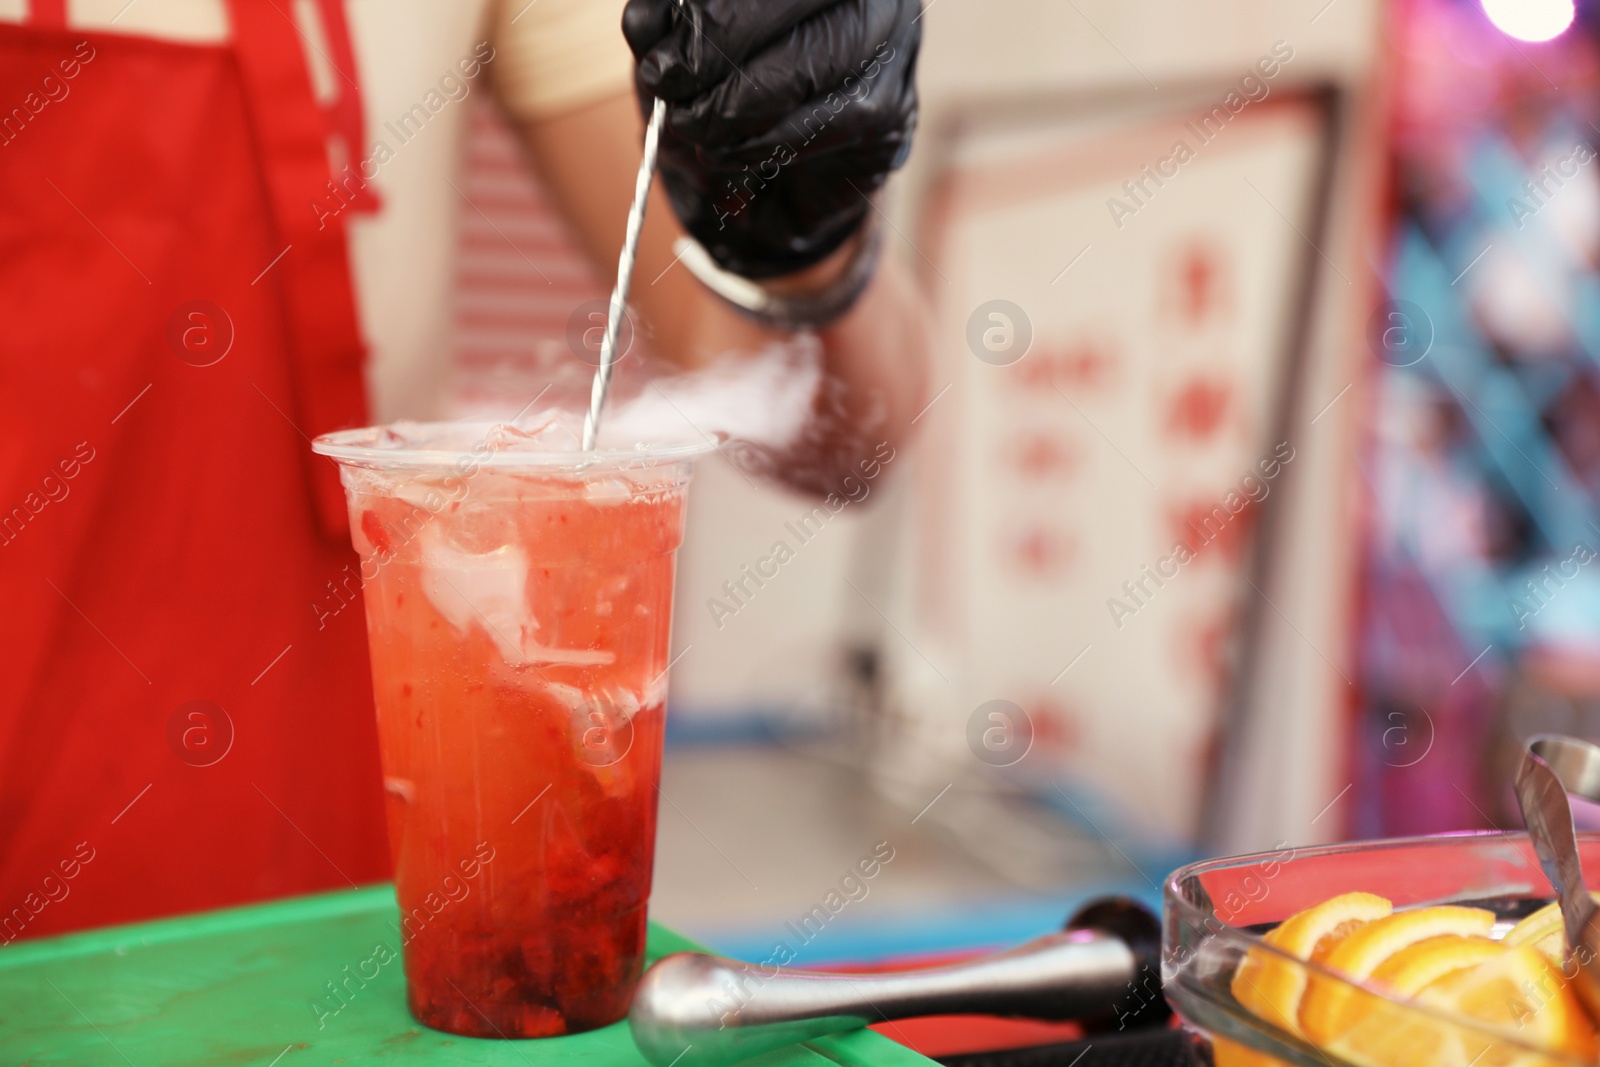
519 630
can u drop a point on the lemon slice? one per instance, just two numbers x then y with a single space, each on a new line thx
1364 949
1270 986
1534 927
1545 931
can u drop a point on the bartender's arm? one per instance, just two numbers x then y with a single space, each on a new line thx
819 94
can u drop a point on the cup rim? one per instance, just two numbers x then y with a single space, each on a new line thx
361 447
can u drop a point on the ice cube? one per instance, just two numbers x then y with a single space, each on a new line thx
479 527
655 692
568 696
489 590
605 492
552 430
484 589
546 656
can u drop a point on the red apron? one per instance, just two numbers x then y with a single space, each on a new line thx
185 707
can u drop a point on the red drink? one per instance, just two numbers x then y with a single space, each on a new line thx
518 615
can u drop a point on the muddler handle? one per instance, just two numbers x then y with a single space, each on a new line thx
698 1010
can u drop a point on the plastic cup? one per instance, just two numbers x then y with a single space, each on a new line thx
519 605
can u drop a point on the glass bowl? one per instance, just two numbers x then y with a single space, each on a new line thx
1216 911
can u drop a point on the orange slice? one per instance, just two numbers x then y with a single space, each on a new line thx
1390 1034
1365 948
1374 1029
1521 994
1225 1053
1510 989
1409 971
1270 986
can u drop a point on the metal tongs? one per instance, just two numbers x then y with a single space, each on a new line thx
1554 767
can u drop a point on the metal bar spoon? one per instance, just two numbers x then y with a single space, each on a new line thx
625 262
1554 766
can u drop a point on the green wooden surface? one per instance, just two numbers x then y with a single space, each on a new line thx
237 987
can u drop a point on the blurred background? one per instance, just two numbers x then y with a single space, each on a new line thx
1255 497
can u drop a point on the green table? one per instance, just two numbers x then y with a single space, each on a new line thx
238 987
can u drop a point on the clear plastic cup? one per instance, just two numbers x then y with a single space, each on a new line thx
518 604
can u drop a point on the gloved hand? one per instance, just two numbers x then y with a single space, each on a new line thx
783 116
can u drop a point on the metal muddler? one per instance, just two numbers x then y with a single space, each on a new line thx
1552 767
697 1010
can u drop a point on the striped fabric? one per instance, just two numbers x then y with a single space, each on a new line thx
520 274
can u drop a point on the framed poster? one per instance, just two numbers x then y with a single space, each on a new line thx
1123 300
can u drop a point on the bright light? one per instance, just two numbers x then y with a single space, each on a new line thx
1530 20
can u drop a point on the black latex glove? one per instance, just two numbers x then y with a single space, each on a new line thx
783 117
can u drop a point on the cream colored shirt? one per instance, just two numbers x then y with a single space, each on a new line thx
549 56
